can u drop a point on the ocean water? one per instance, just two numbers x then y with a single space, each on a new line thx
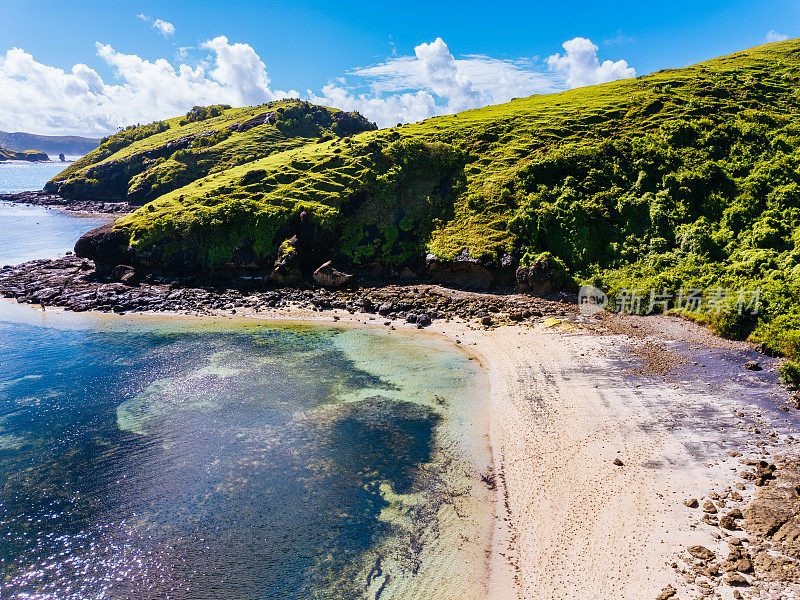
150 457
23 176
30 232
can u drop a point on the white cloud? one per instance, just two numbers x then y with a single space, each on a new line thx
39 98
239 68
165 28
43 99
434 82
582 67
774 36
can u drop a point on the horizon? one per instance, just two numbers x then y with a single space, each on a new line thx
145 61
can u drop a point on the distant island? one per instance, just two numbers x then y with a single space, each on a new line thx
29 155
71 145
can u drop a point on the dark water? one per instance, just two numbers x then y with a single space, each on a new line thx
189 460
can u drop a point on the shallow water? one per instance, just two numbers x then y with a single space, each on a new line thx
22 176
187 458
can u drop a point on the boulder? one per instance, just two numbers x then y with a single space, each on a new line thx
286 270
329 276
106 246
701 553
545 274
125 274
463 271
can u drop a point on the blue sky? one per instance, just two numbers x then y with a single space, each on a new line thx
306 46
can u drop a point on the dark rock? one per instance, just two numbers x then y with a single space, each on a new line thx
260 119
463 271
544 276
618 462
329 276
106 246
691 502
286 270
124 274
752 365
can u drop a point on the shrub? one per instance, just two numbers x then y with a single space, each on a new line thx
790 373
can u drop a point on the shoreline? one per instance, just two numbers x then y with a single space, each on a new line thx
44 199
565 400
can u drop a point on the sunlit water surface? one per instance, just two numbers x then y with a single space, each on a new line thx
30 232
22 176
145 457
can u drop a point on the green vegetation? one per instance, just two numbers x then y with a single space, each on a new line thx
201 113
687 178
790 372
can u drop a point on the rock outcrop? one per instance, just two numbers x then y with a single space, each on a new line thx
329 276
105 245
545 275
463 271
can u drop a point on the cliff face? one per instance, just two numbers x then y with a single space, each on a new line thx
686 177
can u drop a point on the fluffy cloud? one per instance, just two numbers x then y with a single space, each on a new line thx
434 82
165 28
238 67
774 36
581 66
43 99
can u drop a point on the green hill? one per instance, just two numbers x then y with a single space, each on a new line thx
683 178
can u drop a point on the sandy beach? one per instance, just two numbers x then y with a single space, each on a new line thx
567 399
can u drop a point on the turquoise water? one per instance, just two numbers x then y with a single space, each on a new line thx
23 176
145 458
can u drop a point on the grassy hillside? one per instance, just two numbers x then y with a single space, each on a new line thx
146 161
682 178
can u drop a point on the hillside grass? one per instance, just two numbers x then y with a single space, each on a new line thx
684 178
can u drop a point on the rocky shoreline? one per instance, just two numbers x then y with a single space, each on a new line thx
48 200
74 284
